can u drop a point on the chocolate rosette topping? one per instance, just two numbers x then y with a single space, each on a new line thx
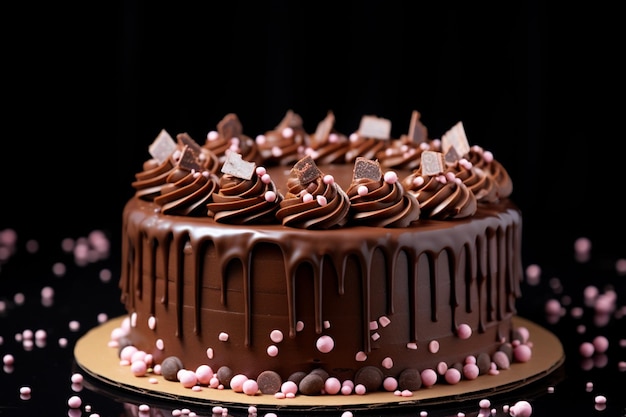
313 200
165 153
482 185
484 161
284 144
380 201
188 188
440 196
372 137
229 136
327 146
246 195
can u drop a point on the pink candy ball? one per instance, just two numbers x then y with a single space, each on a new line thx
464 331
429 377
250 387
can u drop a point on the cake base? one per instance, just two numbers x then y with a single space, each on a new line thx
101 362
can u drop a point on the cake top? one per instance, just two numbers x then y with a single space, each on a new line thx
437 179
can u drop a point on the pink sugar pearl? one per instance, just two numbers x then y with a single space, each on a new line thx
464 331
250 387
332 386
521 409
429 377
325 344
236 383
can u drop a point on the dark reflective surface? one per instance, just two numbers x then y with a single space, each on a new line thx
85 294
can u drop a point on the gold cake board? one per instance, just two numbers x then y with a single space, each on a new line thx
98 360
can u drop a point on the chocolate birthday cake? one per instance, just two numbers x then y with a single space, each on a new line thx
321 261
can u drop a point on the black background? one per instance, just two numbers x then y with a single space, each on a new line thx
86 88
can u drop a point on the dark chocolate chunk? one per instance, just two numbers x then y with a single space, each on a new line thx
230 127
224 375
366 168
410 379
170 367
370 377
296 377
189 160
306 170
185 139
312 384
483 361
417 131
269 382
323 130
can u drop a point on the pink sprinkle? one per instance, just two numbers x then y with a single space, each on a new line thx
488 156
360 389
76 378
307 197
406 393
390 177
270 196
144 408
582 245
266 179
384 321
212 135
464 331
553 307
586 349
280 395
470 371
289 387
204 373
522 353
360 356
387 363
25 390
139 368
433 346
223 337
62 342
429 377
484 403
418 181
287 132
521 409
321 200
187 378
329 179
362 190
390 384
74 401
127 352
272 351
452 376
276 336
332 386
250 387
325 344
160 344
533 274
442 368
601 344
209 353
153 380
260 171
74 325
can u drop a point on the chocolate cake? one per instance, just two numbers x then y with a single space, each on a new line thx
360 267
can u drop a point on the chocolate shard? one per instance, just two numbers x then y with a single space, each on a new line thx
324 128
162 147
230 127
418 133
456 138
236 166
432 163
291 119
189 160
374 127
451 156
306 170
185 139
366 168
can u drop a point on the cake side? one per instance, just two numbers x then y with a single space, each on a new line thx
257 298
